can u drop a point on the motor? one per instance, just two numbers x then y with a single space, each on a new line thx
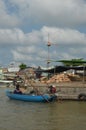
82 96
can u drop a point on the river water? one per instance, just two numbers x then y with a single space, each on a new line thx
19 115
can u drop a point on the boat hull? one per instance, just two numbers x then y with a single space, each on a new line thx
31 98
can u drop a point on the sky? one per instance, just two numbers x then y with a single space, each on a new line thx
26 27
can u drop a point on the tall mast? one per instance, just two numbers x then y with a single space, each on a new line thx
48 45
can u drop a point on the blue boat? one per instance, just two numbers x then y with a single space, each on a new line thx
31 98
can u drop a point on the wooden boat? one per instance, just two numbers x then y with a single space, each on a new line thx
30 97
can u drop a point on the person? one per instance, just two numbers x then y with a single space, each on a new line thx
35 91
52 89
17 90
38 73
32 92
14 81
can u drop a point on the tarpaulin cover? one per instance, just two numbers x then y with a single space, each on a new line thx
58 69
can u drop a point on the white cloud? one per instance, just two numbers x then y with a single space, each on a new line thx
17 36
58 12
34 37
25 25
63 13
40 37
27 49
21 57
30 46
11 36
27 57
63 36
7 19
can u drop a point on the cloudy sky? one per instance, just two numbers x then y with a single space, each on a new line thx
26 26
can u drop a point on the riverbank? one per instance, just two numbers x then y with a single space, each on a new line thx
63 84
67 90
71 91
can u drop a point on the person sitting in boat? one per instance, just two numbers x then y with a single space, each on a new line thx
17 90
52 89
35 91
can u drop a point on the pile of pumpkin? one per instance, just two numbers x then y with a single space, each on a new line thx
63 77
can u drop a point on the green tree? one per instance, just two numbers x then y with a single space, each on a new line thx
22 66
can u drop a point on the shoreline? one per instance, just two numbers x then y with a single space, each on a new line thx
66 91
63 84
69 90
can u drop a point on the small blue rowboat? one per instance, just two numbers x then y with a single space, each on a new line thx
31 98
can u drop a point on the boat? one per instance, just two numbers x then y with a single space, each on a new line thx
6 81
31 97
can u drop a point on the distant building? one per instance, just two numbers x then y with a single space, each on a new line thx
4 70
1 74
13 67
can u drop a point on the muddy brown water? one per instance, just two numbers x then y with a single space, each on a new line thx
18 115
